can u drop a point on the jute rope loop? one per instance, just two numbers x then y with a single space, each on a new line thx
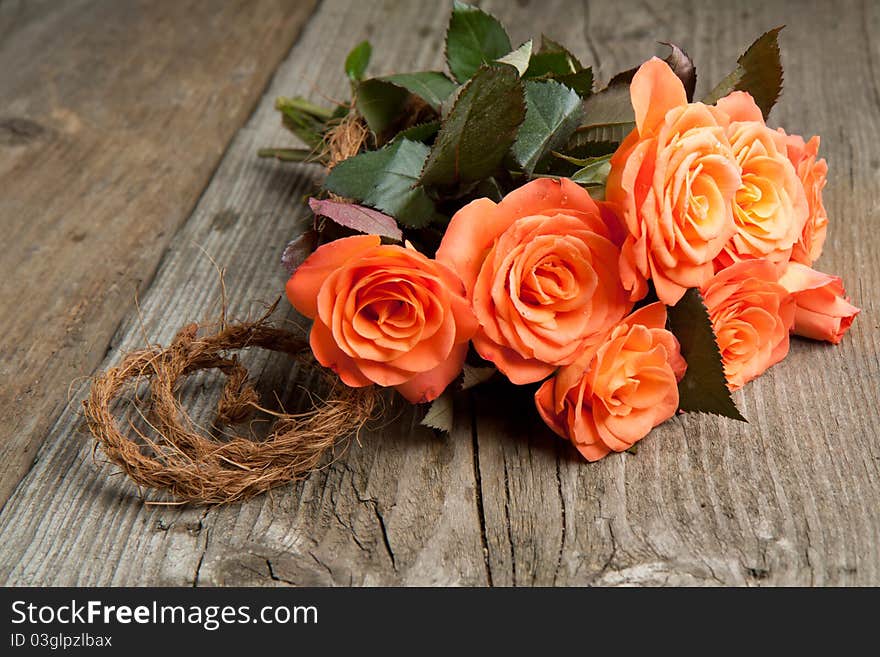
200 468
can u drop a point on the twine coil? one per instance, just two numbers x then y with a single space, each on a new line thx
205 469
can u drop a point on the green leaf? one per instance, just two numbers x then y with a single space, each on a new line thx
610 106
553 112
608 114
440 413
357 61
601 137
680 63
288 154
608 118
581 82
473 38
385 102
553 61
303 106
380 103
302 118
479 129
704 387
518 58
758 71
594 171
387 180
474 376
420 132
431 86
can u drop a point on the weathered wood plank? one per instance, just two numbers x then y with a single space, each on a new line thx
791 498
114 116
399 509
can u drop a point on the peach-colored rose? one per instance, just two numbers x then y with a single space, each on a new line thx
751 314
674 178
384 314
618 390
813 173
771 208
823 310
542 275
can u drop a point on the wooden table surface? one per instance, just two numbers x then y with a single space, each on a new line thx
128 133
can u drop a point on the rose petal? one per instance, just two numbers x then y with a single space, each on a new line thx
329 355
516 368
428 386
655 90
302 288
470 233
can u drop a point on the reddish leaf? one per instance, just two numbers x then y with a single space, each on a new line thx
357 217
298 250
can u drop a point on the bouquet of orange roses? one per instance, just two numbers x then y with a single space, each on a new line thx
629 252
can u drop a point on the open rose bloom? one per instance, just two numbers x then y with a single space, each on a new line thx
541 273
619 389
675 180
554 288
384 314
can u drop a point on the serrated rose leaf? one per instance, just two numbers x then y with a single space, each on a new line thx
758 71
518 58
704 386
357 217
386 180
608 114
474 376
380 103
357 61
298 250
303 119
288 154
608 118
552 61
431 86
473 39
421 132
440 414
553 112
683 66
594 171
479 128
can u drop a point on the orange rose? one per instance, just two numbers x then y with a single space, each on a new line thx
771 208
822 311
619 390
674 178
812 173
542 275
384 314
751 314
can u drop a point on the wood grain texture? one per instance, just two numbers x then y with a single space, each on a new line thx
114 116
791 498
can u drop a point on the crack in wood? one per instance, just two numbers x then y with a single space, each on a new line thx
478 494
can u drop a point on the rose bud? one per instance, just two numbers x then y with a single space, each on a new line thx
822 312
751 314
